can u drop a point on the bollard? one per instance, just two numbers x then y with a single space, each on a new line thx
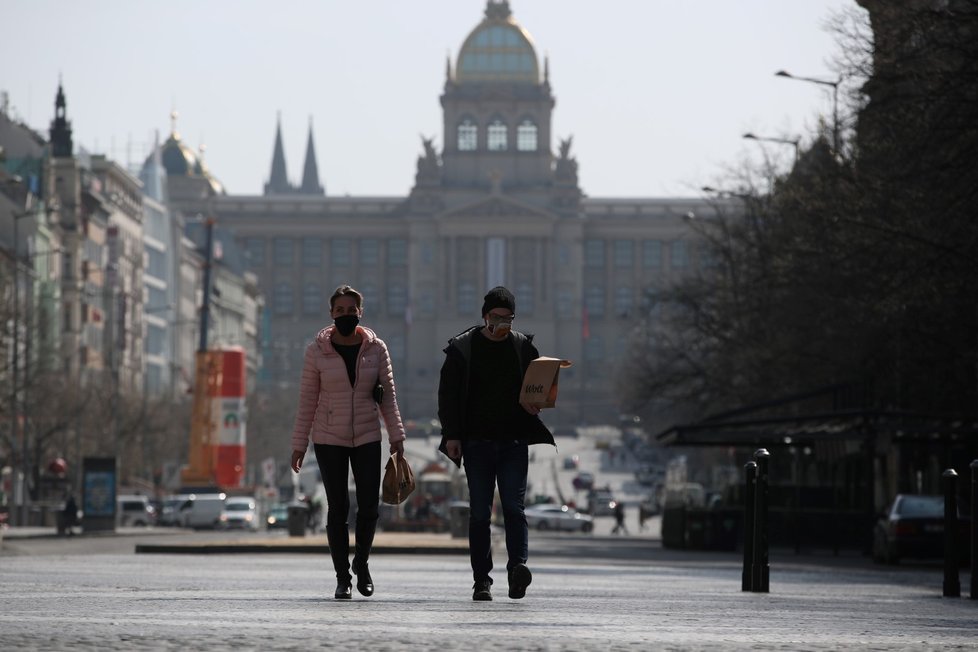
760 572
974 529
952 583
746 578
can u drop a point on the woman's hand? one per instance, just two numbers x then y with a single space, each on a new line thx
532 409
297 457
454 448
397 447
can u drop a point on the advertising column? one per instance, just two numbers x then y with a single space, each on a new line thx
228 412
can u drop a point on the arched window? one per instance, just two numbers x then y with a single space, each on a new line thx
526 136
496 136
468 135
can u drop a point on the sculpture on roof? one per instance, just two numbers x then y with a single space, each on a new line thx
429 166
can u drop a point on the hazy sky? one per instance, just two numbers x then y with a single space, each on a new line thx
656 93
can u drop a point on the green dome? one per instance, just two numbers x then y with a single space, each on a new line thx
498 50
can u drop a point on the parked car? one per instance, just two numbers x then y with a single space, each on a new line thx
601 502
201 510
911 526
550 516
583 481
239 512
135 511
277 518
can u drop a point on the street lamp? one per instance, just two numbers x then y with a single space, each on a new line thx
771 139
835 100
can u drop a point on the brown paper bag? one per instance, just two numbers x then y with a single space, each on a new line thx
398 482
540 382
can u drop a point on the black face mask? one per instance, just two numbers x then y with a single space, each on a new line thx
346 324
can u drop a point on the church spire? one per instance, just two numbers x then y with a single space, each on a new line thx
60 133
310 171
278 181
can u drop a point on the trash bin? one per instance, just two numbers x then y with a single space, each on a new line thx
298 518
458 519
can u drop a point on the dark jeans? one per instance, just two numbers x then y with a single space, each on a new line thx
334 462
486 464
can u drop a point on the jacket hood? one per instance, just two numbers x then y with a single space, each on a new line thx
326 344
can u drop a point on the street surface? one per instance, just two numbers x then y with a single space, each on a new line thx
621 593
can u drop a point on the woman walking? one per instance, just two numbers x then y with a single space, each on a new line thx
347 385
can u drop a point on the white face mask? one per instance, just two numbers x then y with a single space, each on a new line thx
499 326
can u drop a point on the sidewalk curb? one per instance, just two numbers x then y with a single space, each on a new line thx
224 548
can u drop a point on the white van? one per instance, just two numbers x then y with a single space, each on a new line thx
135 511
201 510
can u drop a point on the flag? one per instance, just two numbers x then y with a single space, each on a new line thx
585 327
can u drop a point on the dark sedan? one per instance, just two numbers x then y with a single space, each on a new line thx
913 526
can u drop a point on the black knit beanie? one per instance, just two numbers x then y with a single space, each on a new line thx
499 297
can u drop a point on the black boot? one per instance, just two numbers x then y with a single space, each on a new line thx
365 585
344 591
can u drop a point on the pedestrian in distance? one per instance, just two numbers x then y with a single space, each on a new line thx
69 515
486 429
346 369
620 527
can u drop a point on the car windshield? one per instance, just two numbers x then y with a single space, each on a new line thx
237 507
932 506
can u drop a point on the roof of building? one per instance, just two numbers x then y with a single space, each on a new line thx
498 50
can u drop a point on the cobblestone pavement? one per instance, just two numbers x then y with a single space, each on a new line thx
279 602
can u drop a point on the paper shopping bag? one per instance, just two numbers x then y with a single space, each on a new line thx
398 482
540 382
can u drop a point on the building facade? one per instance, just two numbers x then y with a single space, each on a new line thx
495 205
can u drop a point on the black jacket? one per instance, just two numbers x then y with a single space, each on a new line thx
453 390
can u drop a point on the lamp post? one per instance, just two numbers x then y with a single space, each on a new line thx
771 139
835 100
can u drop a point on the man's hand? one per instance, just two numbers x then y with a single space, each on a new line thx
454 448
532 409
297 457
397 447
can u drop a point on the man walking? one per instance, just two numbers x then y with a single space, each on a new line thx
485 427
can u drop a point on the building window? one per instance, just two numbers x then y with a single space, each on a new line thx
467 304
623 253
594 253
468 136
155 340
339 252
282 252
255 251
526 136
282 299
623 302
496 136
652 253
396 345
312 299
679 256
312 252
594 301
565 304
427 253
155 300
525 300
157 263
396 300
369 252
396 252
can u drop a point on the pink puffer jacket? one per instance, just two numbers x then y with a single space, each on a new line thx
330 410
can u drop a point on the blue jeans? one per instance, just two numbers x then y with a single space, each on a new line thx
487 463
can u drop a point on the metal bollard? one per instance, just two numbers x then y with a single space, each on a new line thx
952 583
974 529
761 572
747 576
